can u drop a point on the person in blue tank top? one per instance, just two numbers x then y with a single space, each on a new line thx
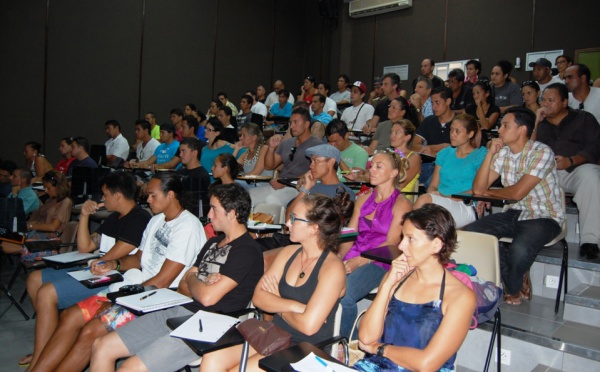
422 313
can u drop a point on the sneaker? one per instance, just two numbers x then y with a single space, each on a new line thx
589 251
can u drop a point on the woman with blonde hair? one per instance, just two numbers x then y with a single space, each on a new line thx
253 160
378 219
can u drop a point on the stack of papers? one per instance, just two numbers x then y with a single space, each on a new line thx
145 302
70 257
312 363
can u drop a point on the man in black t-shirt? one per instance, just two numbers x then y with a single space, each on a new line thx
427 67
390 84
228 268
194 177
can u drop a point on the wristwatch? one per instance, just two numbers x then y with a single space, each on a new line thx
381 349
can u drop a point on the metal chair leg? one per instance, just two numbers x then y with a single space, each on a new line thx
564 270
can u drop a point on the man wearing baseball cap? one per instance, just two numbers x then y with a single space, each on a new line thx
357 115
542 73
324 162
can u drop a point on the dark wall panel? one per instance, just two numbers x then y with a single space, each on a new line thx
177 66
93 67
363 47
21 76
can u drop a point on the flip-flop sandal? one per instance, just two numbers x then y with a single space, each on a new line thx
514 300
26 360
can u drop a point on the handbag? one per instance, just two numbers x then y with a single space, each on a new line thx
265 337
355 354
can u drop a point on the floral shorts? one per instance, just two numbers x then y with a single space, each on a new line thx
111 316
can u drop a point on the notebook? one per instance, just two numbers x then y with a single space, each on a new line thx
145 302
70 257
214 326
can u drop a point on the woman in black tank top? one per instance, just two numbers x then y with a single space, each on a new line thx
305 282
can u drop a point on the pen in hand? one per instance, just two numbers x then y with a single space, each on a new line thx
99 263
148 295
200 325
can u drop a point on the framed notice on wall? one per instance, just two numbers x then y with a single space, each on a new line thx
401 70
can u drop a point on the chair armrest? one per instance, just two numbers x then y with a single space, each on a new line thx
334 340
238 313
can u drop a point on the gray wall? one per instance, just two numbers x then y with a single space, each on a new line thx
98 60
489 30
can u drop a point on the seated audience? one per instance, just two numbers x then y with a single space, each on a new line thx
192 110
147 146
121 233
421 99
422 313
342 96
36 162
390 85
357 115
169 247
353 156
542 73
322 177
484 108
455 170
506 93
150 117
401 136
473 70
213 110
164 152
222 96
290 154
535 218
194 177
273 97
261 94
573 136
283 107
427 68
377 93
378 219
253 160
51 217
581 95
176 118
399 109
257 106
230 131
7 168
462 96
216 144
318 108
66 155
330 106
307 90
117 147
531 95
225 169
80 148
303 285
21 182
563 62
226 271
244 116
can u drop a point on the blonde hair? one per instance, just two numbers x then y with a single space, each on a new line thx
399 163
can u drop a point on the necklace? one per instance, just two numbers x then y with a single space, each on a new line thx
252 161
302 274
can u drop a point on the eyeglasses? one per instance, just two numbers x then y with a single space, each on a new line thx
292 152
293 219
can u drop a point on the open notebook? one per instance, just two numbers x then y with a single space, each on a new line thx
153 300
214 326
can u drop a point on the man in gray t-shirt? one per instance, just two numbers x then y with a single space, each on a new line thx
290 157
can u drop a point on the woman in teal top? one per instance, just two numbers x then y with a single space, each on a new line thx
455 170
216 144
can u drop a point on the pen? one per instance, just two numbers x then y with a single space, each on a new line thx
200 325
257 223
323 363
148 295
350 171
99 263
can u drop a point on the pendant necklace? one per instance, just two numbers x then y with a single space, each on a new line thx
302 274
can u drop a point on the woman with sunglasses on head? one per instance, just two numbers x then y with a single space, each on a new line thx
216 144
531 95
36 162
455 170
67 157
484 108
51 217
378 219
305 282
422 313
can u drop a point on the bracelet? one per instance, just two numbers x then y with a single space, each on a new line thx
118 265
302 189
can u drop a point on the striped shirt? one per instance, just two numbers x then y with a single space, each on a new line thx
536 159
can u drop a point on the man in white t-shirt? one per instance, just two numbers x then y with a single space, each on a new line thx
330 106
542 73
273 97
257 106
581 95
117 147
145 149
360 112
342 96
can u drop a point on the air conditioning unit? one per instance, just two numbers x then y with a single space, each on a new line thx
364 8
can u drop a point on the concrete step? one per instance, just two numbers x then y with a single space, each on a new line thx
582 305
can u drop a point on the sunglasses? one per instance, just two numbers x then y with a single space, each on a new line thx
293 219
292 152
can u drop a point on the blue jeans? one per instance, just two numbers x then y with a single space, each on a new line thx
426 173
529 237
358 284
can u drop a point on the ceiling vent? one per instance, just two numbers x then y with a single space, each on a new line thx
364 8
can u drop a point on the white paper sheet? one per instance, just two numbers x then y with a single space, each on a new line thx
310 364
87 274
214 327
70 257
